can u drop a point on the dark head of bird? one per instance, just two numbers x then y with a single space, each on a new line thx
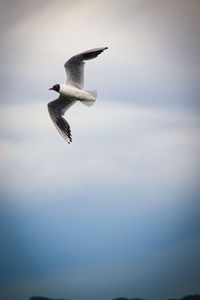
55 87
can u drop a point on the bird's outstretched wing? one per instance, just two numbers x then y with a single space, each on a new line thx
75 66
56 109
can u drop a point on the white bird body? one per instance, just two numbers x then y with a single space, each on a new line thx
71 91
74 93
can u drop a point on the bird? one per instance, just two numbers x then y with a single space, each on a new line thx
72 91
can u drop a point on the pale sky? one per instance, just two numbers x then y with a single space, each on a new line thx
115 213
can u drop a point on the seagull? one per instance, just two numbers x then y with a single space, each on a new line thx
72 91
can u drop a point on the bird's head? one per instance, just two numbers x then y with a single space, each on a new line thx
55 87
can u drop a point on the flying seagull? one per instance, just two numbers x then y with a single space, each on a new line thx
72 91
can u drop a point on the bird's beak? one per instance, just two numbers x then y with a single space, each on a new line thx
51 88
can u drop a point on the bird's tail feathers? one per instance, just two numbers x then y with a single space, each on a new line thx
90 102
93 93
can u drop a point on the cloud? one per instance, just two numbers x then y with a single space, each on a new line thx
155 62
131 146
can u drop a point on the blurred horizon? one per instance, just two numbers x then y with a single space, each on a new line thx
188 297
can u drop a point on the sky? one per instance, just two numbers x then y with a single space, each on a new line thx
115 213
